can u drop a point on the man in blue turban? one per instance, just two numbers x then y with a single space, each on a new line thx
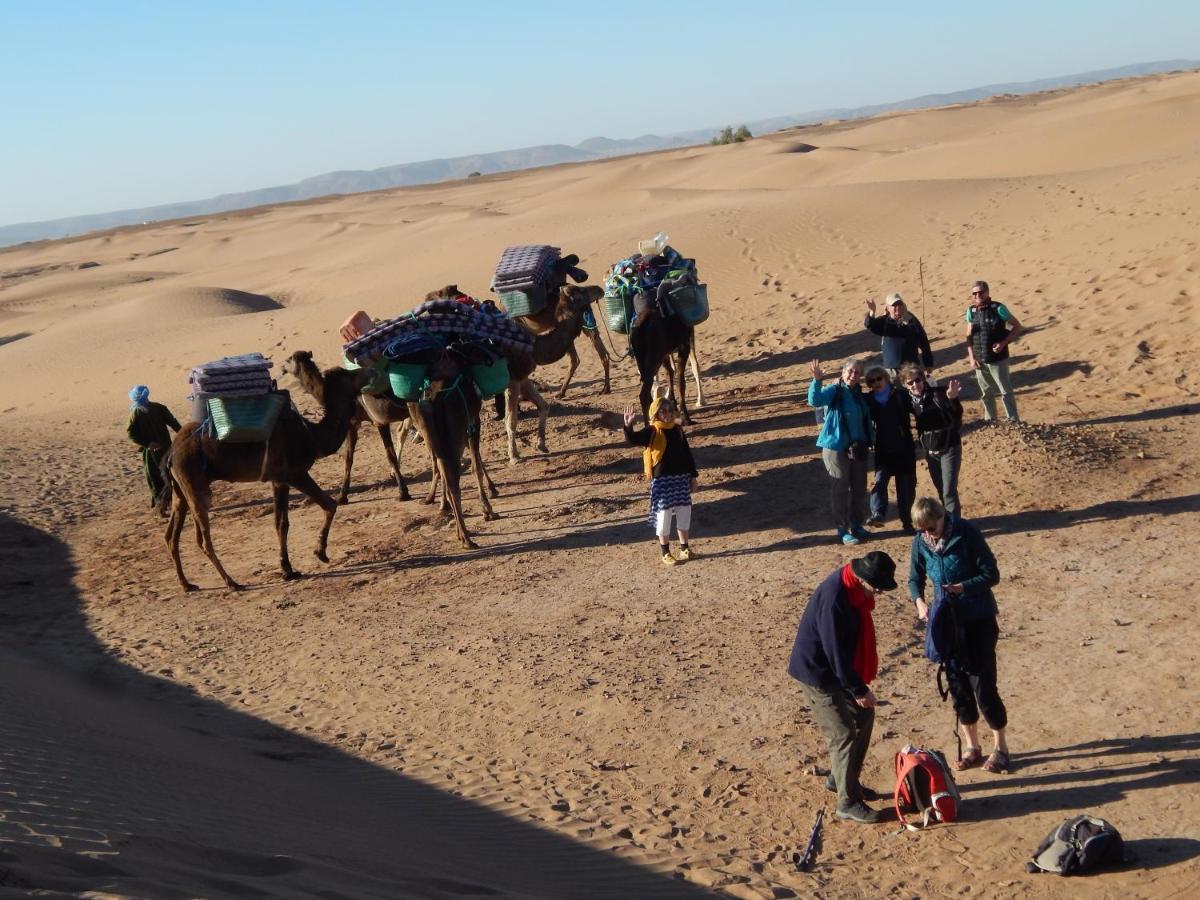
148 423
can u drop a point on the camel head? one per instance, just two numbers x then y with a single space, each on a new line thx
344 385
573 299
298 362
449 292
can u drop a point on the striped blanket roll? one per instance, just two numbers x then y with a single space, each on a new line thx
524 266
446 319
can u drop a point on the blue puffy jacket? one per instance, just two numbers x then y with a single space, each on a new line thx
966 558
847 416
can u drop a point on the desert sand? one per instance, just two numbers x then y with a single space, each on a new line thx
556 714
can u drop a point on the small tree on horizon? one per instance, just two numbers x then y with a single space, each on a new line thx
729 136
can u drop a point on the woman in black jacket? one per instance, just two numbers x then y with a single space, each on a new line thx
894 453
938 413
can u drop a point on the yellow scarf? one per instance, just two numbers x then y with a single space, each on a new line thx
654 451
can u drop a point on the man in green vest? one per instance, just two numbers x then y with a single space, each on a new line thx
991 327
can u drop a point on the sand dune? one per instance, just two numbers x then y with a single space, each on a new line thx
552 715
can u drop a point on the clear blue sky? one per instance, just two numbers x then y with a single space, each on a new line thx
114 105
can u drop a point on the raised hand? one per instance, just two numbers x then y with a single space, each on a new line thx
953 387
630 414
871 306
816 369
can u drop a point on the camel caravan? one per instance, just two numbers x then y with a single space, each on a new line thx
428 370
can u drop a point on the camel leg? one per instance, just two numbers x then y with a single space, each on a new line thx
694 360
351 443
684 416
279 490
174 529
453 493
602 353
645 396
303 482
573 356
481 476
200 511
530 392
385 435
512 398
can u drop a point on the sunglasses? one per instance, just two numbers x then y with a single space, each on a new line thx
916 381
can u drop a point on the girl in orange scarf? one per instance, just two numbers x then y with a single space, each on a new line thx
667 461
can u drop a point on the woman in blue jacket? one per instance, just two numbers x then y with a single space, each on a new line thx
954 556
845 436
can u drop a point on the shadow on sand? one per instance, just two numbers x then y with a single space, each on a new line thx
116 781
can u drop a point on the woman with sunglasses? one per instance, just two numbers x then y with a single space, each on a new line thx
955 557
938 413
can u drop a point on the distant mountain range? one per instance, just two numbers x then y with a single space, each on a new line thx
434 170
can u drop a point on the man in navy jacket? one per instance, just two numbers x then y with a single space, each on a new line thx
834 657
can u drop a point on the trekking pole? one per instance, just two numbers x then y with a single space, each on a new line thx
805 862
921 273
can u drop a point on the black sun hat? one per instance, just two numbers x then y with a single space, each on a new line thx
877 569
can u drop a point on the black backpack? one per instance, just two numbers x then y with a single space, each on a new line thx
1077 846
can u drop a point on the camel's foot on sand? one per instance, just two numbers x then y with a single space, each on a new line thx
607 390
344 500
233 586
542 448
491 515
561 395
320 554
292 575
469 544
493 493
404 494
188 587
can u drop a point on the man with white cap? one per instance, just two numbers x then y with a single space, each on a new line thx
904 338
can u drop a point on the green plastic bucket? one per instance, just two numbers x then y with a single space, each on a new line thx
691 303
244 420
617 311
523 303
491 380
407 379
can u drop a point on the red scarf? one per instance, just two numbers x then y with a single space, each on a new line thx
866 660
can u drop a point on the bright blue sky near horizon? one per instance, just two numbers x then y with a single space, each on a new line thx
117 105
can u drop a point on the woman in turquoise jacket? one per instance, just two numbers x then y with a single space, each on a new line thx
953 555
845 436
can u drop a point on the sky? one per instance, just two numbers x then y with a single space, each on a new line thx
108 105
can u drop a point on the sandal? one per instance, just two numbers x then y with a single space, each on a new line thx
998 763
972 758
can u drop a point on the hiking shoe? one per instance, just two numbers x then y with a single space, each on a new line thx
687 554
868 794
859 532
668 559
846 537
875 522
858 812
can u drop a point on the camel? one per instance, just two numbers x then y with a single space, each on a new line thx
382 411
301 365
547 318
196 460
652 341
449 423
548 347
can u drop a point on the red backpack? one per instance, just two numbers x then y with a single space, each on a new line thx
924 783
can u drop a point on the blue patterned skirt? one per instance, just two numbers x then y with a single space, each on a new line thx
667 491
